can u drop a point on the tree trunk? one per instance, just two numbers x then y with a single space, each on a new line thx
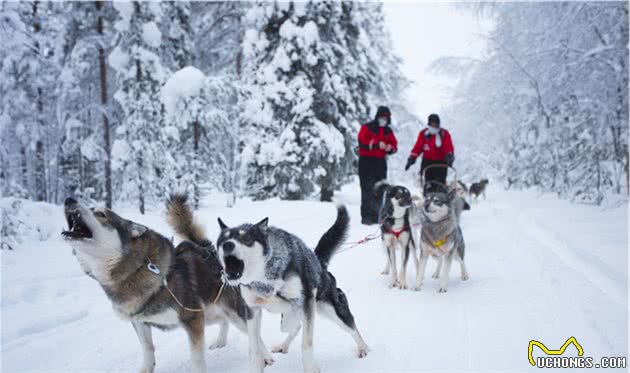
103 78
40 172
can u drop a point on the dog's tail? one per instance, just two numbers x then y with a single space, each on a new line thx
380 187
180 217
333 238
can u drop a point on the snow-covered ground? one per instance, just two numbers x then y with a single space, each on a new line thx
541 268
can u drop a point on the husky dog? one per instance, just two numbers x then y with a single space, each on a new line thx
278 272
441 236
477 189
460 188
152 284
461 191
396 220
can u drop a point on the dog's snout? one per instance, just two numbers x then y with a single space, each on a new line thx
70 202
228 247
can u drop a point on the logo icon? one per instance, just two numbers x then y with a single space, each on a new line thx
547 351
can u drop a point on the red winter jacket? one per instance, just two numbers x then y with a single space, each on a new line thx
369 137
425 145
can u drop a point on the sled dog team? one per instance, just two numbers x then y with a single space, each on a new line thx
151 283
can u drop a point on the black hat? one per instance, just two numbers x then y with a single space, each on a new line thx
383 111
434 118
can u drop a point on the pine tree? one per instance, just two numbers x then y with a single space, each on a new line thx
138 153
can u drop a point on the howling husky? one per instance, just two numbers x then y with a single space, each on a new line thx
278 272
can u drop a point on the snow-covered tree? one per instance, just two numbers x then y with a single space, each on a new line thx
551 95
139 155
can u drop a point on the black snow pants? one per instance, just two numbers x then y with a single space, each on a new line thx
371 170
436 174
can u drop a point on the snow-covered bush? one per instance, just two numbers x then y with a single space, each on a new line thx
22 220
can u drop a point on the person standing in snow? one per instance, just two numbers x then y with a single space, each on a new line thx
376 141
435 146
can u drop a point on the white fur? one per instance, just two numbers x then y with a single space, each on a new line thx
436 213
252 257
167 318
100 253
144 334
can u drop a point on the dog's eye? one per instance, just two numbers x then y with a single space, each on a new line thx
99 214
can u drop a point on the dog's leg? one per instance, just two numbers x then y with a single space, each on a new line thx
388 263
448 260
308 356
421 267
464 273
195 330
148 350
436 274
256 355
393 282
340 314
402 279
242 324
416 259
221 340
284 347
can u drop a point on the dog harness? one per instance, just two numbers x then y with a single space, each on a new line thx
394 232
439 244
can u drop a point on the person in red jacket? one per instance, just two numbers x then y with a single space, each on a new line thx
435 146
376 141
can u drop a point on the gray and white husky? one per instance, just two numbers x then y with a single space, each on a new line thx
278 272
397 220
153 284
441 236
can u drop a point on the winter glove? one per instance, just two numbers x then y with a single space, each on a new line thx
450 158
410 162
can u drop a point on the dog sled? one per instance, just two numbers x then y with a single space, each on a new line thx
425 185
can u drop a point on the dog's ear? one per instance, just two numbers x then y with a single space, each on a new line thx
262 225
222 225
451 194
137 230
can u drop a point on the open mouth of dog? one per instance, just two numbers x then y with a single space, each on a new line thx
233 267
77 229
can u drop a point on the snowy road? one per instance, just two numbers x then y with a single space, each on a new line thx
540 269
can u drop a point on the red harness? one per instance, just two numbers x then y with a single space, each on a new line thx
395 233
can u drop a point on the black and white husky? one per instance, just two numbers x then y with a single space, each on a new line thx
396 220
441 236
278 272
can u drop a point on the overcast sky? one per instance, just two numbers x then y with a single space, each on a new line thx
425 31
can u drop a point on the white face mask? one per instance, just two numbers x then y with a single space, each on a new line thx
382 122
433 130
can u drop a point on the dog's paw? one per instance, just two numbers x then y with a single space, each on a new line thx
268 361
362 352
393 284
417 287
219 343
465 277
147 369
402 285
280 349
442 290
435 275
385 272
